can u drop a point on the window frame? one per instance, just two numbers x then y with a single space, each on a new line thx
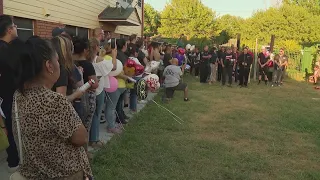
77 31
22 28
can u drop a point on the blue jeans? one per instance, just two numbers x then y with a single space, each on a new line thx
119 107
134 97
111 104
94 131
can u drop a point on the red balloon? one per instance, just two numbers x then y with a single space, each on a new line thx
139 69
130 63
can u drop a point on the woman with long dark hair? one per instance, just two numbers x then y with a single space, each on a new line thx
50 132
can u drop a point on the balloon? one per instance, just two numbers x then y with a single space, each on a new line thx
152 82
154 65
118 70
192 47
188 46
130 63
129 68
141 89
113 85
181 51
139 69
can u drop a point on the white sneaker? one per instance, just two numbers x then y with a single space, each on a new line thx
13 169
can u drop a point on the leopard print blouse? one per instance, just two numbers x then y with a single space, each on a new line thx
47 122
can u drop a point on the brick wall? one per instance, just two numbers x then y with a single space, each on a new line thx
1 6
44 28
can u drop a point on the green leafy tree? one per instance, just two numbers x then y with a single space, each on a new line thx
289 22
312 6
231 24
151 20
191 18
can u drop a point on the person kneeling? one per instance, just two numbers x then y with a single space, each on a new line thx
172 75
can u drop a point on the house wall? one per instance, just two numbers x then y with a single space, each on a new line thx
80 13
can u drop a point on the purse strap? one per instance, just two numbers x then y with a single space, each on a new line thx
17 119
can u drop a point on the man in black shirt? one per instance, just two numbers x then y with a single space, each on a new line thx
244 63
204 64
221 57
122 49
8 70
228 66
263 68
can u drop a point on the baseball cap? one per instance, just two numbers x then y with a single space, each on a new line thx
57 31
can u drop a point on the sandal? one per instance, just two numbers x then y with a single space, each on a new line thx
96 145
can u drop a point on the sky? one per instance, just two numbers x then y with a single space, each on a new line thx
242 8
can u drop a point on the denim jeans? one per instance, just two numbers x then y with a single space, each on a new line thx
94 131
134 97
111 104
119 107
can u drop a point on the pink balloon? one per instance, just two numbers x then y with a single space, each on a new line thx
113 85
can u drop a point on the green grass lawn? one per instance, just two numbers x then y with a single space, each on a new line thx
229 133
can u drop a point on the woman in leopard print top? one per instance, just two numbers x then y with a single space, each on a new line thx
52 133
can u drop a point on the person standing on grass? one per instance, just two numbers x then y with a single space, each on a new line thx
263 68
167 56
213 65
204 64
281 61
244 63
221 57
284 63
228 66
8 69
196 56
172 75
235 54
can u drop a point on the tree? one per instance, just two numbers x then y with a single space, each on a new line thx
289 22
191 18
312 6
232 25
151 20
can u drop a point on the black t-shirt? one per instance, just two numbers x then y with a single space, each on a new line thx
88 69
167 57
140 57
63 78
245 60
228 59
122 56
7 79
263 58
202 59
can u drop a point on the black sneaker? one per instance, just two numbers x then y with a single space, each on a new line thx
186 99
126 105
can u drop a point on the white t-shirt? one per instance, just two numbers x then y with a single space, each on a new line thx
172 75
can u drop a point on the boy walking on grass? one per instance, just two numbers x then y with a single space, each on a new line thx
172 75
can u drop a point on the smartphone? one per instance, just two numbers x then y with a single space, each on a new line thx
113 43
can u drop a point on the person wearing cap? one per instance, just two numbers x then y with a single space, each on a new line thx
58 31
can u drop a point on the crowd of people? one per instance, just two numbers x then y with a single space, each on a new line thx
55 92
228 65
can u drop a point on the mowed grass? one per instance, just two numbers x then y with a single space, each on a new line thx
258 132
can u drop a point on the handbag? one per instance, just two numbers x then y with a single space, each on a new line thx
17 175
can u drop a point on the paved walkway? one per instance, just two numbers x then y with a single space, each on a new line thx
104 136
